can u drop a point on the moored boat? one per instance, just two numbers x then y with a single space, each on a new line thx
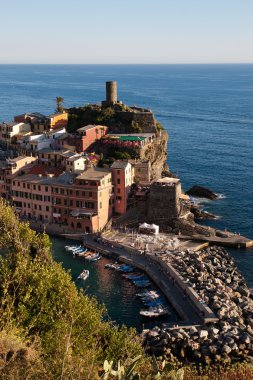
155 312
84 275
93 256
80 252
126 268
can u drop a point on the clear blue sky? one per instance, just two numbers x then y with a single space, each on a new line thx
130 31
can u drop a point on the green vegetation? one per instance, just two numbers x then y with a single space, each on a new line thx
122 153
48 329
159 126
135 128
59 106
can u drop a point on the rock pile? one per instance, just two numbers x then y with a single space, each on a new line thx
214 276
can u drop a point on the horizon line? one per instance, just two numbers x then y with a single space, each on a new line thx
129 64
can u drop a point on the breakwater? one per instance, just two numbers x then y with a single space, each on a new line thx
214 276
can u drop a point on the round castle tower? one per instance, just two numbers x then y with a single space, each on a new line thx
111 92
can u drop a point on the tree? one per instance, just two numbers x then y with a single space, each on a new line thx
43 316
59 101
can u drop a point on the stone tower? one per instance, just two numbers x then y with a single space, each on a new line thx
111 93
164 204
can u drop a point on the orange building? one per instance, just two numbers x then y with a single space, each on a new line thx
41 123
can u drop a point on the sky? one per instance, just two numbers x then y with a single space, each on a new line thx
130 31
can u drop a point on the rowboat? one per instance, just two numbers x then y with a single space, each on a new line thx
84 275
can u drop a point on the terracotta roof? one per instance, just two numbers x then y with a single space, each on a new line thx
44 170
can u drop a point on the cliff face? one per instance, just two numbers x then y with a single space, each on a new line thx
156 152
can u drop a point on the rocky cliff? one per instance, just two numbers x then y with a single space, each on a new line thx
156 152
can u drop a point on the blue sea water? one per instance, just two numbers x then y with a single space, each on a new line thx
206 109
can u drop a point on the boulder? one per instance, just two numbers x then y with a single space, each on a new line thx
201 192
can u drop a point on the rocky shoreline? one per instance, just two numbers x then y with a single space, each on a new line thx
214 276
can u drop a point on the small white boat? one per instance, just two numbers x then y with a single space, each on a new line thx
155 312
84 275
72 248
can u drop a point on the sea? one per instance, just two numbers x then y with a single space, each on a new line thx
208 113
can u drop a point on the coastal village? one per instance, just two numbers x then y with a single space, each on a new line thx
99 173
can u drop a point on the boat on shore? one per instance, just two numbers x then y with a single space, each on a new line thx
84 275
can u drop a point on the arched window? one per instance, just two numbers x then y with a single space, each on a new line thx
78 225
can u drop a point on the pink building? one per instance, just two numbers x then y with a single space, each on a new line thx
77 202
88 135
31 195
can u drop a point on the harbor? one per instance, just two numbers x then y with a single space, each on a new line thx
117 293
184 300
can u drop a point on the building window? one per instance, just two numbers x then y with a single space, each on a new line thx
118 191
71 202
100 204
90 194
46 188
47 208
78 225
118 171
77 192
77 203
118 181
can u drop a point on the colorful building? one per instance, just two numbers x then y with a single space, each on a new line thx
40 123
88 135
